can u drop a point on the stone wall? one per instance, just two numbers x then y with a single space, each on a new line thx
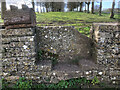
15 18
18 51
0 60
20 48
107 39
66 42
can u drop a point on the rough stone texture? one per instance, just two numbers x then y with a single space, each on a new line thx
107 38
19 50
0 60
66 42
15 18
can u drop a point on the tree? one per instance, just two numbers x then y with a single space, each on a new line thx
85 7
33 4
40 7
92 9
96 9
72 5
53 6
47 6
100 8
59 6
88 4
81 6
3 8
37 4
112 10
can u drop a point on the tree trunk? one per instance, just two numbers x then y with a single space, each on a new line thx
88 7
112 10
52 7
43 9
47 10
37 8
81 4
88 3
92 9
40 8
85 7
100 9
3 8
33 4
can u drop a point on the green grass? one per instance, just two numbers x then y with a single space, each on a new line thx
1 21
67 18
78 83
80 20
71 83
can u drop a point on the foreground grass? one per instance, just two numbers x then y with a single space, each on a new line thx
71 83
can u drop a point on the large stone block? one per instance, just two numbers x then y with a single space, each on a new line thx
14 17
69 44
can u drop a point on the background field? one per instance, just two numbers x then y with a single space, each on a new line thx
80 20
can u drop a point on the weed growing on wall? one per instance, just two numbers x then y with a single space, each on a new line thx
45 55
71 83
85 30
23 83
95 81
4 83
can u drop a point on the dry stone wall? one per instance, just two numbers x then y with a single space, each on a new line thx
16 18
18 51
68 43
107 39
0 60
20 46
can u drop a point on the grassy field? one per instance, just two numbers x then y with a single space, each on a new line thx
66 18
80 20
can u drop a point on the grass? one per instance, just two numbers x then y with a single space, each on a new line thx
78 83
67 18
71 83
80 20
46 55
73 18
1 21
